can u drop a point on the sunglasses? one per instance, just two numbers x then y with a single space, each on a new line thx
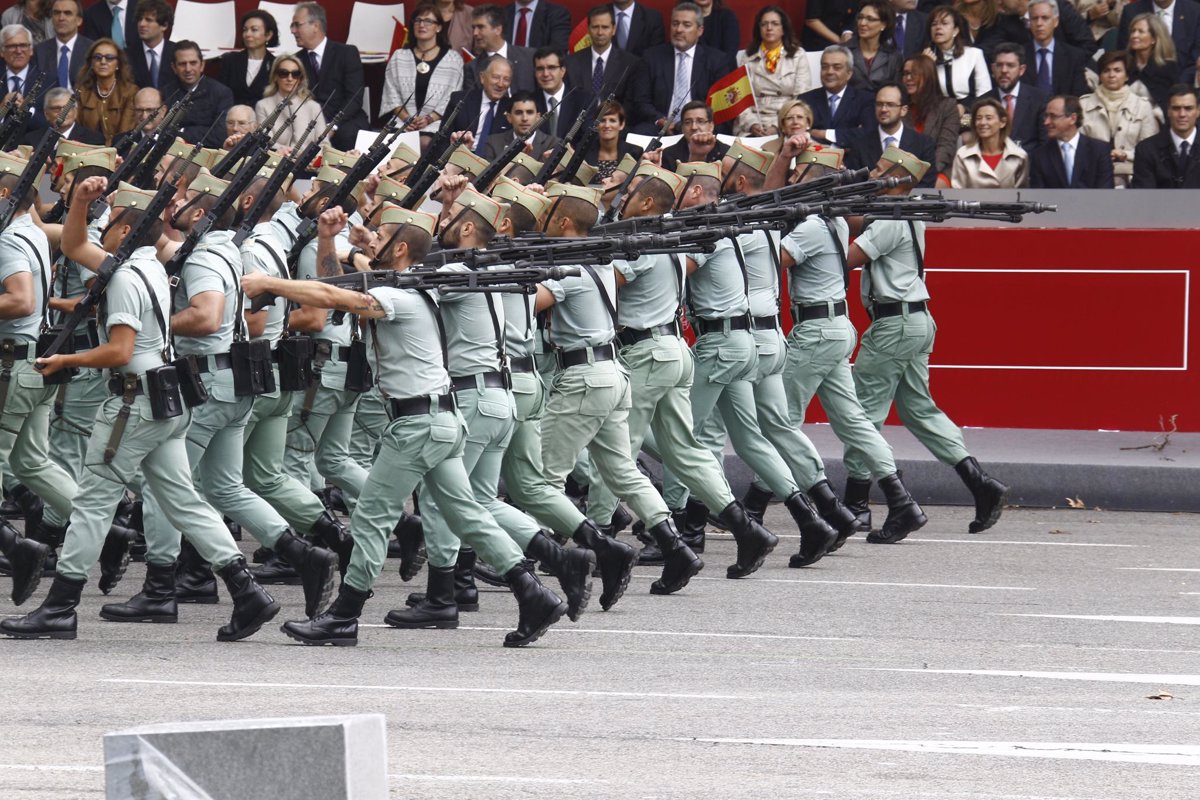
102 57
290 73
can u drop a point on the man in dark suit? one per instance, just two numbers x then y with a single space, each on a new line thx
1185 25
606 68
1073 29
536 23
487 35
1168 159
486 108
1068 159
210 98
151 56
704 65
149 111
21 75
699 142
522 116
851 108
66 16
1024 102
98 21
864 146
553 95
911 32
1054 67
334 71
55 101
638 28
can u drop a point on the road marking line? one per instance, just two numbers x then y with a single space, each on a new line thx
493 779
1010 541
1076 709
659 633
862 583
1185 755
437 689
1158 569
1110 618
1103 677
51 768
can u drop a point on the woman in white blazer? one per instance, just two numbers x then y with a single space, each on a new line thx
962 71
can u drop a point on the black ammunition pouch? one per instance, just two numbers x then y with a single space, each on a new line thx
43 344
252 373
191 387
294 354
162 384
358 369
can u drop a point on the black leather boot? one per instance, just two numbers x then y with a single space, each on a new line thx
30 505
840 518
816 537
194 581
275 571
695 523
573 568
411 535
26 560
261 555
539 607
491 576
988 492
436 608
621 519
904 515
235 529
332 535
335 500
614 559
123 516
575 492
650 555
154 603
137 550
336 625
316 566
55 618
754 542
114 556
466 596
858 500
756 501
52 536
681 563
253 607
9 508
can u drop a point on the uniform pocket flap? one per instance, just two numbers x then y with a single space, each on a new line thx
494 410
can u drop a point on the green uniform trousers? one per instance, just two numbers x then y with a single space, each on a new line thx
490 420
24 441
660 375
370 418
428 449
893 365
818 362
547 368
589 407
75 407
262 468
725 364
320 438
521 468
156 449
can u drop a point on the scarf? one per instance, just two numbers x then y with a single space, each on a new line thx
1112 101
771 58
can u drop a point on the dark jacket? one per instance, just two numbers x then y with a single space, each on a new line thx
550 25
1026 128
722 32
1156 164
624 74
468 116
340 79
708 66
1093 166
1185 27
521 59
864 148
1066 69
496 143
1157 80
78 133
645 29
204 119
45 57
572 104
677 154
168 84
856 109
916 33
97 21
232 73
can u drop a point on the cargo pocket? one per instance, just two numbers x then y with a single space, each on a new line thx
665 367
599 397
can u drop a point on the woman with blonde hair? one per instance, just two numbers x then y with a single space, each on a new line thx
288 79
1117 114
795 116
994 161
1153 64
105 87
778 70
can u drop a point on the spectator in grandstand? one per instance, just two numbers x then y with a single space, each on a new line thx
876 61
335 71
703 66
50 56
638 27
34 15
931 113
152 53
865 146
1184 28
536 23
106 91
1115 113
1024 102
1102 15
828 22
1154 61
456 17
912 28
1068 159
722 31
961 70
610 146
1054 67
487 28
993 160
288 79
837 106
247 72
423 74
1168 159
983 29
54 103
794 117
699 142
778 70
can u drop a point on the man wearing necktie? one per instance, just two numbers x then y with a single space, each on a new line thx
1167 160
18 53
63 56
335 72
536 23
681 71
638 28
1056 67
1069 160
112 20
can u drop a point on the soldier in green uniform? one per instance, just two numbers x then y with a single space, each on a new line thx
127 437
893 361
590 396
424 441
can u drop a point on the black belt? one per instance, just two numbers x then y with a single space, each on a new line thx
629 336
522 364
770 323
491 380
82 341
897 308
741 323
222 361
19 351
116 386
412 406
572 358
818 311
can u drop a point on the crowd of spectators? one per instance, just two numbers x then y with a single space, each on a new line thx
994 93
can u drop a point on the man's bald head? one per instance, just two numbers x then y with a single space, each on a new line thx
239 119
148 108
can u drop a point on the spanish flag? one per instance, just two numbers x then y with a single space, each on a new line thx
730 96
399 36
579 39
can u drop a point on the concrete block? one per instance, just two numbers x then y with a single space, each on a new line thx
303 758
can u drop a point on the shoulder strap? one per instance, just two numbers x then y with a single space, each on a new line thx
433 309
741 259
239 322
608 302
158 314
45 281
912 229
775 262
498 329
841 251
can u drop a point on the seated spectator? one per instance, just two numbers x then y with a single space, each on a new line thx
55 100
148 111
335 72
203 121
795 117
66 17
778 69
609 147
239 120
912 28
487 31
423 74
1068 159
865 146
994 161
152 53
876 61
1054 67
553 96
836 105
931 113
704 65
1102 15
98 21
1073 28
106 91
247 72
961 70
982 18
639 27
456 20
1153 61
828 22
1024 102
485 107
1115 113
722 31
522 116
288 79
1184 28
34 16
606 68
699 142
1168 160
536 23
21 75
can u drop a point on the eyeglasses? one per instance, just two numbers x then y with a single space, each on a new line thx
100 58
16 47
289 73
295 25
885 104
426 21
1048 115
865 18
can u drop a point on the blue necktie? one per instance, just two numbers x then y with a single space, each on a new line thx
153 68
1044 68
598 77
64 67
118 27
486 130
898 35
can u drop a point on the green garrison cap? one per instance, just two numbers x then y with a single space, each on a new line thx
467 161
207 183
822 156
391 189
130 196
103 157
394 215
906 161
405 153
328 174
703 169
333 157
752 157
671 179
512 192
588 194
482 205
67 148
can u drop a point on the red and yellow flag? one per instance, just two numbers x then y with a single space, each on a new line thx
579 39
399 36
730 96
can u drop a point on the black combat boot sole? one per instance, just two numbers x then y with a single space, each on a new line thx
34 568
164 619
266 615
421 625
419 597
993 515
341 641
198 599
278 579
619 582
582 575
38 635
693 568
880 537
488 574
735 571
551 618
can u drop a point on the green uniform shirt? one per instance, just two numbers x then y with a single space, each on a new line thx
718 288
760 249
126 302
651 294
817 275
263 254
24 248
407 346
214 266
579 317
472 338
77 274
892 273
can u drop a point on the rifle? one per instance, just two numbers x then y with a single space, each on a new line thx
778 218
418 189
614 207
436 147
260 137
497 165
33 169
15 118
934 208
560 149
159 143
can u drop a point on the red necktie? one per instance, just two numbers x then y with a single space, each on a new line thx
1009 103
522 39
